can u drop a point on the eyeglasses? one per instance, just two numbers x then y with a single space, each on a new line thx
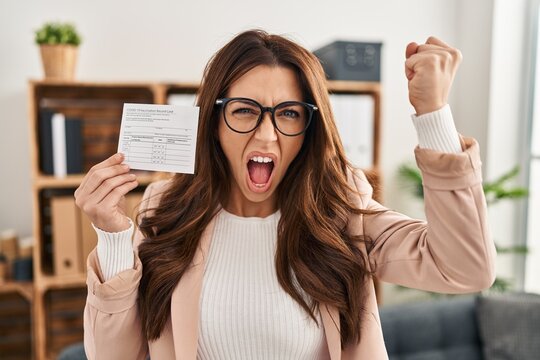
244 115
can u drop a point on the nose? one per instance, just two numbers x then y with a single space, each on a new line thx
266 131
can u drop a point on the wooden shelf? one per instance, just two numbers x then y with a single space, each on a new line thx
25 289
87 83
354 86
49 282
49 181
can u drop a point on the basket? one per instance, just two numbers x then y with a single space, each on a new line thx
59 61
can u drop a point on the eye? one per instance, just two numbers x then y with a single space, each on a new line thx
289 113
242 111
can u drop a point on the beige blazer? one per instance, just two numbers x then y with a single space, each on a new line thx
452 253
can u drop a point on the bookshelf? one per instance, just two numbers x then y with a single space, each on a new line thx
98 105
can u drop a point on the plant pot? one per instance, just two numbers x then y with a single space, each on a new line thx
59 61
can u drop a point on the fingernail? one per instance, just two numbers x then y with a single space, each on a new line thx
119 156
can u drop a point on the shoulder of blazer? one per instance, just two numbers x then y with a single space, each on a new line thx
150 201
153 192
358 181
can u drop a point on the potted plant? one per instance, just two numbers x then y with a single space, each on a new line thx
58 44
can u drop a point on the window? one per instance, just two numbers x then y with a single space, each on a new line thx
532 266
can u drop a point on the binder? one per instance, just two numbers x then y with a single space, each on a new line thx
354 116
58 124
65 219
45 141
182 99
74 146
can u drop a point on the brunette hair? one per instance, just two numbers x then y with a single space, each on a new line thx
314 249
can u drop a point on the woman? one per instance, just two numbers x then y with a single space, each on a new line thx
269 250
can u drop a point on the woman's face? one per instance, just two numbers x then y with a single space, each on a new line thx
254 182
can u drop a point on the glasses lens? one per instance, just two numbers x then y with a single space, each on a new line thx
292 117
242 115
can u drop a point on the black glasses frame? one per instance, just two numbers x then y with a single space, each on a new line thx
310 107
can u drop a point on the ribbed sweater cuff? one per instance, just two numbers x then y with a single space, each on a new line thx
436 131
115 251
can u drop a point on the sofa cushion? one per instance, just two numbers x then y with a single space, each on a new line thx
432 330
509 326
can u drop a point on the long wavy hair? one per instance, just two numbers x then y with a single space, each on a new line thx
314 250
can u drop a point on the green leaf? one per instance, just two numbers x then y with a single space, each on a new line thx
513 249
497 183
412 178
53 33
501 285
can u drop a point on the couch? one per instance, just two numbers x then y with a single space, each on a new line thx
495 327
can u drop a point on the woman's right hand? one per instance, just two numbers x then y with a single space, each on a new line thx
101 192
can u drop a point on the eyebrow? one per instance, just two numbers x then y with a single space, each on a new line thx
260 102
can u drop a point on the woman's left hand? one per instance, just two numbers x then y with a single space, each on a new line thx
430 69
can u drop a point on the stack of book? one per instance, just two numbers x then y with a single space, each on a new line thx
75 135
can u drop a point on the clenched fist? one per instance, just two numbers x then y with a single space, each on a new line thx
430 69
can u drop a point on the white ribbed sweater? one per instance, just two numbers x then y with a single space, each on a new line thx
244 312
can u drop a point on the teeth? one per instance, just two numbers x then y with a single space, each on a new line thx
261 159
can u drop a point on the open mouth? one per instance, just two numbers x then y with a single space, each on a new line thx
260 172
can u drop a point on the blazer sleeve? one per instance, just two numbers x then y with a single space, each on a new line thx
451 252
112 326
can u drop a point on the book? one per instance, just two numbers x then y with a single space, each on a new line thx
74 146
58 125
45 141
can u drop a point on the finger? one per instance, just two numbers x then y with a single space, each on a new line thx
109 186
412 62
96 178
429 47
409 73
110 161
411 49
436 41
114 197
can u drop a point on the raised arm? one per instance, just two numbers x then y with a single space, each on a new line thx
451 252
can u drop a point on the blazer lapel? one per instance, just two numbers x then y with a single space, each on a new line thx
330 319
185 301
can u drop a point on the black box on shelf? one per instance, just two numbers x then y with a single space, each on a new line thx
349 60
